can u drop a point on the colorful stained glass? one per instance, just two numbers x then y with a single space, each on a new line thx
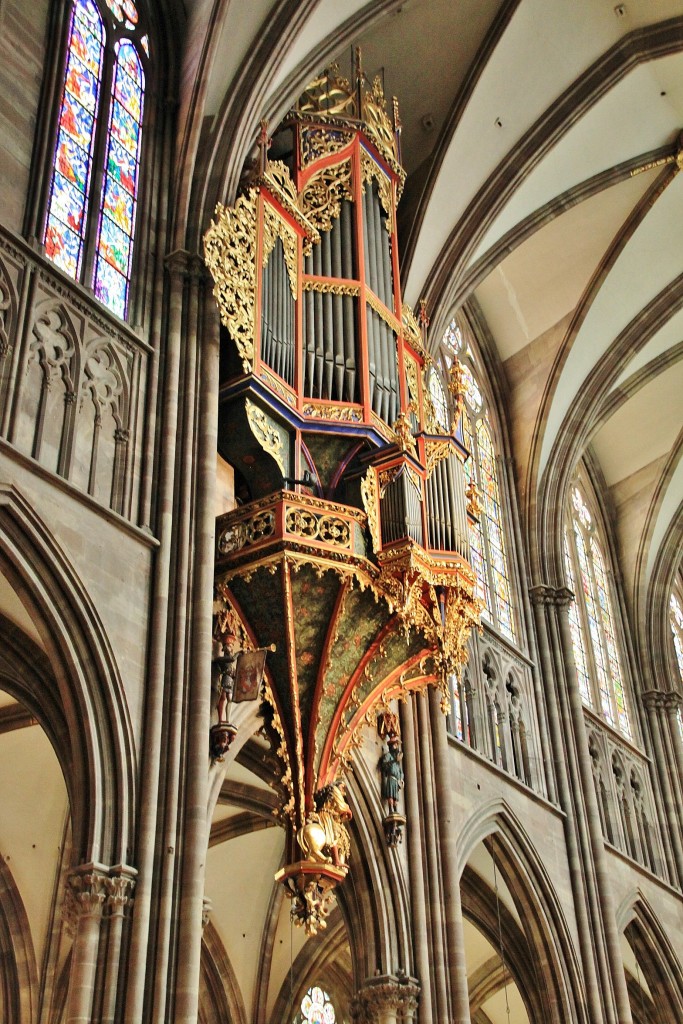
488 483
472 392
677 630
124 10
577 635
110 287
438 396
69 189
581 508
117 216
608 630
452 337
317 1007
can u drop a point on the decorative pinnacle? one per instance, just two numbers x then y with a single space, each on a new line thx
263 146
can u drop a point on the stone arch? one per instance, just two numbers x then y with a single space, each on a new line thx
18 971
661 967
85 712
556 974
220 997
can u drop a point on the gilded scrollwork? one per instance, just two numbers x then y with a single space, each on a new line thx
266 433
435 452
411 328
330 93
382 310
323 194
274 227
230 254
403 435
330 287
412 380
368 491
338 413
319 142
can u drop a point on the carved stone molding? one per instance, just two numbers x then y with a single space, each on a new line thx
119 887
386 999
665 700
86 892
558 596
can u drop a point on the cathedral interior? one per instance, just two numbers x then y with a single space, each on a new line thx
341 512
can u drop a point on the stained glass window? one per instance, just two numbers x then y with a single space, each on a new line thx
598 664
117 216
88 111
488 550
438 397
577 635
676 613
317 1007
72 175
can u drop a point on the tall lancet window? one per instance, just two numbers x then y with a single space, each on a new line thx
598 665
488 542
92 204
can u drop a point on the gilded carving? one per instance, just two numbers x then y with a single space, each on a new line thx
329 93
403 435
266 433
330 287
274 227
436 452
412 380
385 313
230 254
411 328
319 142
368 491
322 195
338 413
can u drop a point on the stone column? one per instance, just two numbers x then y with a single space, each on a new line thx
86 896
672 705
607 913
416 868
386 999
542 599
655 703
452 904
119 900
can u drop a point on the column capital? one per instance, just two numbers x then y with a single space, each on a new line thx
119 887
544 594
386 998
665 700
86 892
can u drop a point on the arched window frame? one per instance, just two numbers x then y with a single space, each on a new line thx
595 614
314 992
479 412
118 32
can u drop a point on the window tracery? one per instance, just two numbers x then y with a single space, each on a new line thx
93 196
591 620
488 544
316 1008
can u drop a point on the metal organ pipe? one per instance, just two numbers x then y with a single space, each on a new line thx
348 303
328 328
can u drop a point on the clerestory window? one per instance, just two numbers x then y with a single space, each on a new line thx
592 622
316 1008
94 189
488 542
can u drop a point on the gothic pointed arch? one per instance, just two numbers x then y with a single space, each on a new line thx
557 978
656 957
87 709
